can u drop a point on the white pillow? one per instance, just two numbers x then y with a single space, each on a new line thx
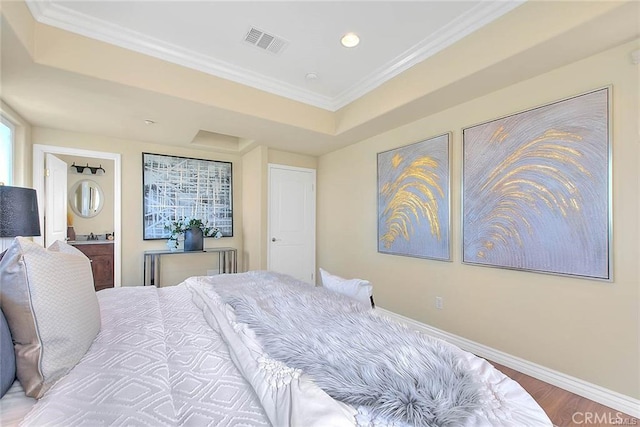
358 289
52 310
60 246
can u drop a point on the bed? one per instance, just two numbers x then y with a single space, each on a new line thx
247 349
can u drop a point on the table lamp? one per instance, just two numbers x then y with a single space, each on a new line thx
18 213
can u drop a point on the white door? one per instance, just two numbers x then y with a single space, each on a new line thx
292 222
55 213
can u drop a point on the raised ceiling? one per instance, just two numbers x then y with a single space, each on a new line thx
104 67
210 36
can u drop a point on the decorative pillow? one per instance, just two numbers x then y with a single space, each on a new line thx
7 357
358 289
52 310
60 246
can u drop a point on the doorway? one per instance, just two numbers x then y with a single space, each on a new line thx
292 222
39 156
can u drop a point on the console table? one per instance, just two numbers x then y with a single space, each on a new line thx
227 262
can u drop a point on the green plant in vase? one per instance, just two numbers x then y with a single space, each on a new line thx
192 228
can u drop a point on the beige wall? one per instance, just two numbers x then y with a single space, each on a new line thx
254 202
584 328
103 222
292 159
249 201
133 245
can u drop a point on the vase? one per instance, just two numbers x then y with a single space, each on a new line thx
193 239
71 233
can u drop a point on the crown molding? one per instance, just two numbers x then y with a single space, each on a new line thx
50 13
37 8
480 15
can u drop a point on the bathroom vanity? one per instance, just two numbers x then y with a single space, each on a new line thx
100 252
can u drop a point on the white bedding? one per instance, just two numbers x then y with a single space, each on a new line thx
160 360
505 403
14 405
155 362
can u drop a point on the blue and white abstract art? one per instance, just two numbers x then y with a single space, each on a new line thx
178 188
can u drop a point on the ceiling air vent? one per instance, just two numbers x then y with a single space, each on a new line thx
265 41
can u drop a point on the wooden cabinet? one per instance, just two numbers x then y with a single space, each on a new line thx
101 256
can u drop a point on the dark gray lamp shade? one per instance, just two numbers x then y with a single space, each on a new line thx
18 212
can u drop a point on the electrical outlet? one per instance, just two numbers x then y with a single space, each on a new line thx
439 303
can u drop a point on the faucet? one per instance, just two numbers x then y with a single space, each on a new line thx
92 237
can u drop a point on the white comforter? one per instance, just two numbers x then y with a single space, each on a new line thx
175 356
156 362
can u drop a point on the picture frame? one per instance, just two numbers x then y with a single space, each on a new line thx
177 187
414 206
536 189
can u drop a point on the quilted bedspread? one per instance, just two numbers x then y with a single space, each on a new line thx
156 362
177 356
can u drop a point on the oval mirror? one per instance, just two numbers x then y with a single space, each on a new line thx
86 198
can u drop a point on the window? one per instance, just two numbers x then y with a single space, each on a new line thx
6 151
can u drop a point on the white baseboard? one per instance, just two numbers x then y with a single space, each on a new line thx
612 399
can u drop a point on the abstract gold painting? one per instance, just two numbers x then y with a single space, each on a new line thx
413 199
536 189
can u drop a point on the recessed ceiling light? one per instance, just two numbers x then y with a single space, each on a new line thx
350 40
149 122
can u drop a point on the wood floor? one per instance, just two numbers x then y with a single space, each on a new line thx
565 408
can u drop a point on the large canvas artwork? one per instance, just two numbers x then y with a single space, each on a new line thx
177 188
536 189
413 200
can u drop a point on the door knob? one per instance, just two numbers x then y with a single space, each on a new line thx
273 239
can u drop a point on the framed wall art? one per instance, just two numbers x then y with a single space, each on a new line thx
413 199
179 187
537 189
